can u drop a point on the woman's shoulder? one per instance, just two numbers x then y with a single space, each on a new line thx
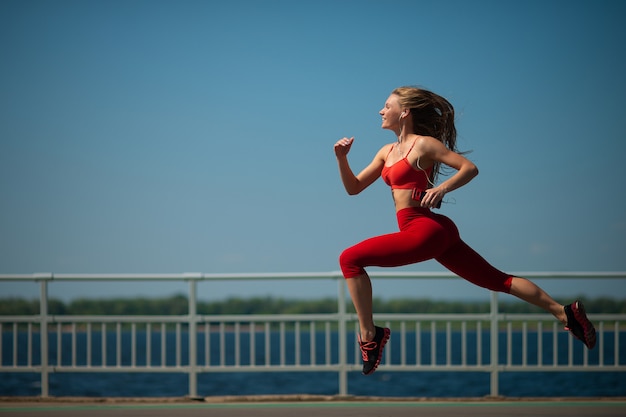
425 143
422 140
386 148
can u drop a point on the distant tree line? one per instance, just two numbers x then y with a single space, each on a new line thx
178 305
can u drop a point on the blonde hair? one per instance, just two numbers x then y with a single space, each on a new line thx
432 115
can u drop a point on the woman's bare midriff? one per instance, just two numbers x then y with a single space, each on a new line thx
404 199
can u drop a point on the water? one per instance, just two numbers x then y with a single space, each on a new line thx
381 383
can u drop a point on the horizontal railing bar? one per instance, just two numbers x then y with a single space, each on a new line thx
96 319
502 368
172 319
48 276
316 368
548 317
243 318
169 277
291 318
431 317
181 369
24 368
563 368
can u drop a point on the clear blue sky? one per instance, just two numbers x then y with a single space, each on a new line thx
196 136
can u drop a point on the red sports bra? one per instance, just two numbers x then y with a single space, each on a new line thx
402 175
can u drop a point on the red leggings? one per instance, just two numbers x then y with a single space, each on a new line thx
424 235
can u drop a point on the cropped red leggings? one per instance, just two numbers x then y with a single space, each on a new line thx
424 235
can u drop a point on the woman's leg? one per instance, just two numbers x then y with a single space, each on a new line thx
531 293
360 289
573 316
372 339
394 249
468 264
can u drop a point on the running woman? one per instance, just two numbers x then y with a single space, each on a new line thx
423 123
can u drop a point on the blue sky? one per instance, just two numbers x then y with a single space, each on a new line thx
196 136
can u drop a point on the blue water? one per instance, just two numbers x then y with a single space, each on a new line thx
381 383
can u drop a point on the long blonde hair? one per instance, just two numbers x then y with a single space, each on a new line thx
432 115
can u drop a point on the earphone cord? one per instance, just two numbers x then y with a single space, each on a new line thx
453 201
424 171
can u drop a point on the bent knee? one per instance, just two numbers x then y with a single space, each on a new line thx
349 263
502 284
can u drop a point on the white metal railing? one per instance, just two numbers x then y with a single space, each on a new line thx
329 344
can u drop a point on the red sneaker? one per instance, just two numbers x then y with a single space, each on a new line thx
579 325
372 352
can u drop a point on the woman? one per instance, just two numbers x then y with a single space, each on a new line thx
423 123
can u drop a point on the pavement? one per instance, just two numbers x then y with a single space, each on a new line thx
312 407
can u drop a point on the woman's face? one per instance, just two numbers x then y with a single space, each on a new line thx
391 113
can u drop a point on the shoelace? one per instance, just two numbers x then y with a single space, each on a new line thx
366 347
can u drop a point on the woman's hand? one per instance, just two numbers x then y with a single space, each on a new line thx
433 196
342 147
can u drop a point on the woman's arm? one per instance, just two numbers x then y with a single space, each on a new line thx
434 150
354 184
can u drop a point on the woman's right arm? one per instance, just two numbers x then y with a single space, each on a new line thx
354 184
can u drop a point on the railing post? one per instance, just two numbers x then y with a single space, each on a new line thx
343 345
43 333
193 336
494 344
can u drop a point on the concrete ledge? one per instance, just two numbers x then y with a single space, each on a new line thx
295 398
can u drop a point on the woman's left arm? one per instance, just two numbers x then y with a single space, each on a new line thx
466 170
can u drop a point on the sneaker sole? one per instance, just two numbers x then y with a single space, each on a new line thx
581 317
383 342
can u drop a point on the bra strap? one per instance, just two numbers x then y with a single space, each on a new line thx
411 148
391 149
